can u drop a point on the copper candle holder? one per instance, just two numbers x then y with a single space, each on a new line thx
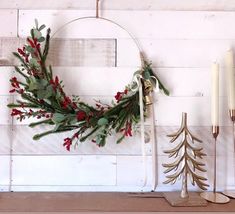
231 193
214 196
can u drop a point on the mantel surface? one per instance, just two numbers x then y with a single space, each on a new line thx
97 202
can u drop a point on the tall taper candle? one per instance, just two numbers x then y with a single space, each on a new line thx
215 95
229 64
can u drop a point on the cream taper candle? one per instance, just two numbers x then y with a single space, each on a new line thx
215 95
230 79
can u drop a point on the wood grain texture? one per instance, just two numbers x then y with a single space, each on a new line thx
5 171
8 23
165 115
81 52
61 170
101 202
123 4
23 144
164 53
88 171
181 49
66 52
177 24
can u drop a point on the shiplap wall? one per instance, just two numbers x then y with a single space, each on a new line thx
180 37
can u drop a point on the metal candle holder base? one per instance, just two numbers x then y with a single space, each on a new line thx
214 196
231 193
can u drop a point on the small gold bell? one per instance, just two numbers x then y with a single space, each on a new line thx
148 100
148 87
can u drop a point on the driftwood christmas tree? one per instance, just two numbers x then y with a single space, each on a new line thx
186 164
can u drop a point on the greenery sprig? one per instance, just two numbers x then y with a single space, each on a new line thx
43 98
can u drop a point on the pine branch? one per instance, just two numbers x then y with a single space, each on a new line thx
48 121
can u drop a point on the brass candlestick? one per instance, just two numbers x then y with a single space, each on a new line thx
214 196
231 193
232 116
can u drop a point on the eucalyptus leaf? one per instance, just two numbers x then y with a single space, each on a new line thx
102 121
98 139
36 23
58 118
37 34
32 86
41 39
42 27
29 49
34 62
50 90
41 94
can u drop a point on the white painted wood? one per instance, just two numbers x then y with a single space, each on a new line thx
5 112
5 75
168 110
83 81
177 25
6 139
89 52
181 49
8 23
176 53
4 172
123 4
125 178
23 144
189 82
73 188
133 171
75 52
7 46
61 170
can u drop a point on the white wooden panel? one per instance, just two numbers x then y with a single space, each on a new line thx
76 52
23 144
89 81
61 170
132 174
129 176
224 142
7 46
225 170
82 52
72 188
123 4
6 73
4 172
177 25
168 110
177 52
8 23
4 110
53 144
6 139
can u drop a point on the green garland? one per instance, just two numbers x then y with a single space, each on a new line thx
43 97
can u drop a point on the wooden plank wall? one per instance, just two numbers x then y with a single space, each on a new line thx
181 38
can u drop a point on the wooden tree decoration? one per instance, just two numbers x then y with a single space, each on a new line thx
186 165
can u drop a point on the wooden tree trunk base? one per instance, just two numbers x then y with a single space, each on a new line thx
194 199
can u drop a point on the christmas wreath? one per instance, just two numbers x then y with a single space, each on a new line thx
44 98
